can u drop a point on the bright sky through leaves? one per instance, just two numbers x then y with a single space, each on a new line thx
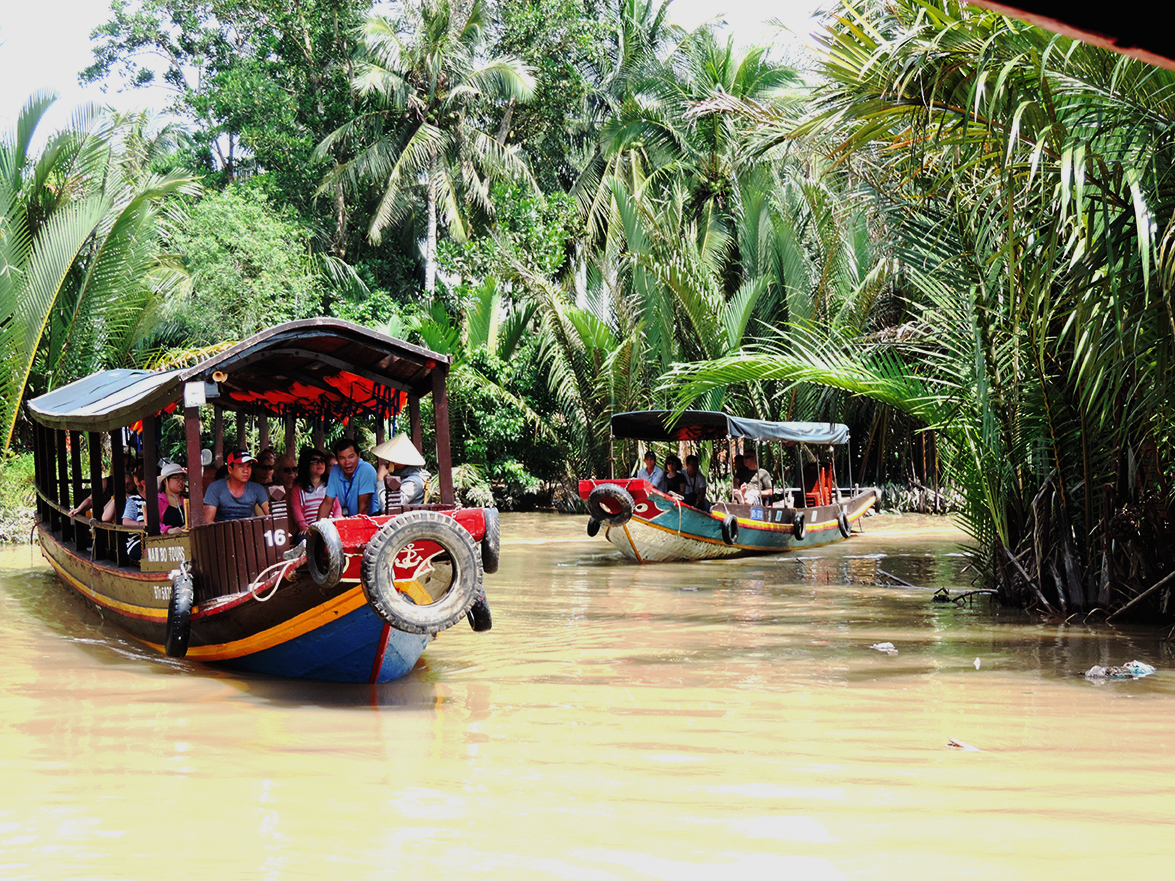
29 61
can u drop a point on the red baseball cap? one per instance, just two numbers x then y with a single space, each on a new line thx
238 457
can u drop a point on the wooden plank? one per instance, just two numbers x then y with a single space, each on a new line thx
151 473
440 406
195 468
240 555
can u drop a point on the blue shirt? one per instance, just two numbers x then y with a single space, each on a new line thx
228 506
657 478
348 489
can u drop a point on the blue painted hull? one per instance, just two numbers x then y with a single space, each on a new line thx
663 529
343 650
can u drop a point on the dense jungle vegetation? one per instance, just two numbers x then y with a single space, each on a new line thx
951 230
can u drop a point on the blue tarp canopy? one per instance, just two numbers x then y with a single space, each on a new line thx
698 425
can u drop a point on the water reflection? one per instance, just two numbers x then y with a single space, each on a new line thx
619 722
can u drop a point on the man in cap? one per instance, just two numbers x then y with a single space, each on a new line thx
235 497
406 466
651 472
352 481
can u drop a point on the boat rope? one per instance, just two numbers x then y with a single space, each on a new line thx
261 580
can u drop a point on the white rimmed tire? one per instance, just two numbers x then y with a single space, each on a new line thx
422 572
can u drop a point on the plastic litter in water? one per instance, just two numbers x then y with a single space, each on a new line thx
887 647
1129 670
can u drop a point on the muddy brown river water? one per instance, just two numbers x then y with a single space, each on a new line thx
682 721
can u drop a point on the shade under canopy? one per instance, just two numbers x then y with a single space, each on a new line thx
314 367
698 425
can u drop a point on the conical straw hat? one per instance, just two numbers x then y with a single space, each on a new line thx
399 450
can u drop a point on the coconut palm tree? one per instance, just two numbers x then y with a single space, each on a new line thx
422 139
81 258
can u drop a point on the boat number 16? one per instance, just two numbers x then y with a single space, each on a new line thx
275 537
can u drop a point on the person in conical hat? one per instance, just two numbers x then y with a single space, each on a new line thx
404 466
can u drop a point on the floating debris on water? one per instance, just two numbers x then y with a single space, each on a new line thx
977 663
966 747
1129 670
887 647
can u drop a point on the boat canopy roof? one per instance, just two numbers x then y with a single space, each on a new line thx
697 425
314 367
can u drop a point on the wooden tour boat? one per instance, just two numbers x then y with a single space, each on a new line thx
651 526
356 602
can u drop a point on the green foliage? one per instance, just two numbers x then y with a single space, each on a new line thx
82 268
559 40
17 490
250 268
424 76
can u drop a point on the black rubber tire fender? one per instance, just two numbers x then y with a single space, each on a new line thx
842 520
593 527
324 553
479 613
179 615
491 542
798 527
615 497
393 606
730 529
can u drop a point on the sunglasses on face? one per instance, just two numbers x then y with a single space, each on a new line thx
318 461
290 470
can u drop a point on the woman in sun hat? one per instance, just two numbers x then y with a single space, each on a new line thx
172 481
406 465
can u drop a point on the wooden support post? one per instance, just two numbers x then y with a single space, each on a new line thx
151 473
80 536
381 432
242 426
51 476
263 433
63 493
290 438
98 498
319 434
195 467
217 435
440 406
117 551
414 423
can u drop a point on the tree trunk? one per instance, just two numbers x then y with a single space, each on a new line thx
430 253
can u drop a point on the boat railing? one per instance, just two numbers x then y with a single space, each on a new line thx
96 536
